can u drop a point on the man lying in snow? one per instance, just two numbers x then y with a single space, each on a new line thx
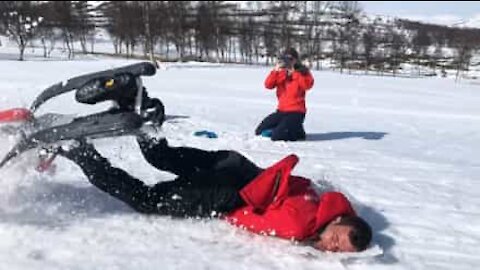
225 184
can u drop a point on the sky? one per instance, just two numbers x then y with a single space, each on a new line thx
464 13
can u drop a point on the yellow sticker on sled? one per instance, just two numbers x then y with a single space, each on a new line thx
109 83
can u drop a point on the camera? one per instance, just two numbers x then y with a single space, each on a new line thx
285 61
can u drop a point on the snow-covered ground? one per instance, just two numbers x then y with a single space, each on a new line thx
406 151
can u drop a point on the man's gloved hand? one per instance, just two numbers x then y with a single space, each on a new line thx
73 148
153 111
153 114
302 69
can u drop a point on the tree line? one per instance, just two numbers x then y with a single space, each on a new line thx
336 33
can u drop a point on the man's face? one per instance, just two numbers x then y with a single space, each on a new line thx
335 238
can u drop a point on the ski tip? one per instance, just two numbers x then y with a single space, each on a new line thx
15 115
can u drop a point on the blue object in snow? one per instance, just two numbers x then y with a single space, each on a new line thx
206 134
267 133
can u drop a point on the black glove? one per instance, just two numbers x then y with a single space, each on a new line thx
153 111
74 149
302 69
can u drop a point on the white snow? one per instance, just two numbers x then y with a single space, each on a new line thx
406 151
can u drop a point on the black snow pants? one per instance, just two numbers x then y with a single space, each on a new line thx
285 126
207 183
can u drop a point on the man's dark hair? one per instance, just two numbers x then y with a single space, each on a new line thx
361 233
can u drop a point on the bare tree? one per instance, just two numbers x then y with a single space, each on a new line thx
47 31
348 33
420 43
464 46
178 24
124 22
397 46
462 59
369 40
20 20
65 21
312 25
207 26
149 38
83 21
270 42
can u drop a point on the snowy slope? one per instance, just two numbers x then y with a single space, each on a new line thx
405 150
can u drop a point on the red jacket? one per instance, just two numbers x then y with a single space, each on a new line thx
290 90
287 206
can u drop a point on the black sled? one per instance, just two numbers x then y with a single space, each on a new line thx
122 85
